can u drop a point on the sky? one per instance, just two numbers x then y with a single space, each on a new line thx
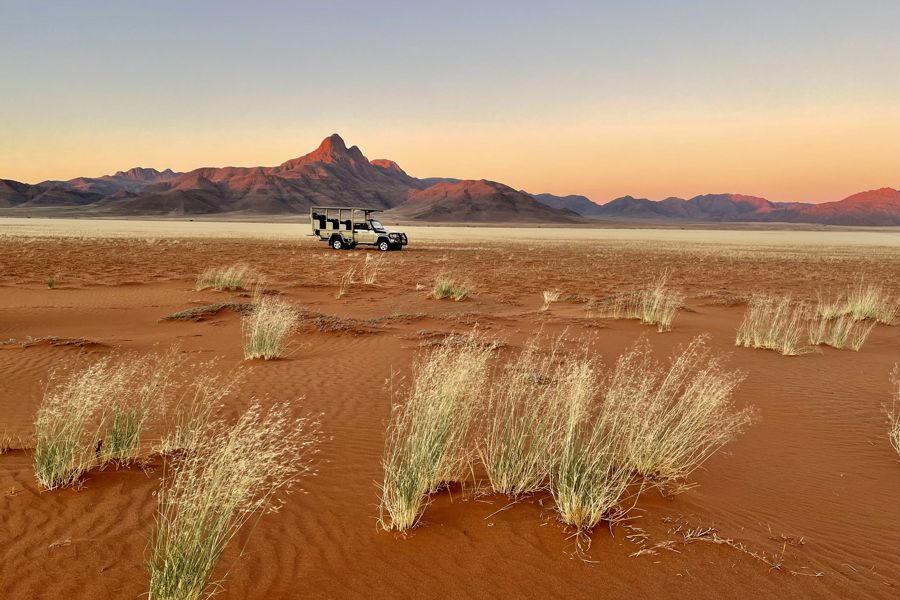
793 100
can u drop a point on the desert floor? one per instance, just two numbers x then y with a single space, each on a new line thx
813 486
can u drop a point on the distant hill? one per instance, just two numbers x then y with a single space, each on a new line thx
479 201
332 174
336 175
582 205
873 208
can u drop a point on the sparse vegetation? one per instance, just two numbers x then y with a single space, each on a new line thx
230 278
864 301
776 323
653 305
445 287
229 477
549 298
673 419
893 412
51 282
522 422
266 327
425 441
839 332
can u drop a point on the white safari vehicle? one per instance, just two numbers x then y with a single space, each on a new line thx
344 227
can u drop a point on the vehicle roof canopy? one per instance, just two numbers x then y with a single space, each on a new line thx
359 208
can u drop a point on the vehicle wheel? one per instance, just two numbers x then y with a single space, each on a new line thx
384 246
337 243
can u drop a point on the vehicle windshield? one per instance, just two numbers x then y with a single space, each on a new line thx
377 226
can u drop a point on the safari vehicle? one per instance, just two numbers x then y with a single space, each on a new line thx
344 227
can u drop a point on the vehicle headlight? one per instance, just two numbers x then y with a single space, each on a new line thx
394 235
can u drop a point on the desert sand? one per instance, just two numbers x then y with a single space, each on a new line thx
812 486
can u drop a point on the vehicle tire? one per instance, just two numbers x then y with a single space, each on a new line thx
384 246
337 243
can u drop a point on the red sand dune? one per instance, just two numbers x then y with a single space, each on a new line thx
813 485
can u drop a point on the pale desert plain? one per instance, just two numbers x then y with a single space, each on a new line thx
801 504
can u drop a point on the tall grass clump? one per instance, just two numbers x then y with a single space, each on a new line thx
97 414
69 424
266 327
673 419
839 332
445 287
861 302
226 480
522 422
233 277
652 305
425 444
775 323
589 479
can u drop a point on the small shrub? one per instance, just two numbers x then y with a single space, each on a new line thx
522 421
228 477
444 287
673 419
234 277
51 282
549 298
774 323
425 440
266 327
839 332
653 305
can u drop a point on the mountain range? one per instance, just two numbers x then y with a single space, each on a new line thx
336 175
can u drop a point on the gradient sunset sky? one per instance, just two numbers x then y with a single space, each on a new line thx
789 99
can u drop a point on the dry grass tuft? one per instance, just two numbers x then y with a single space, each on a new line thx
266 327
894 412
371 267
522 422
425 441
97 415
229 477
549 298
864 301
839 332
653 305
445 287
347 279
775 323
234 277
673 419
